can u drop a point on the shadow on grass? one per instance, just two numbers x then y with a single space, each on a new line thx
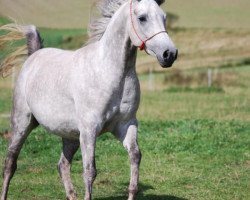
144 197
141 196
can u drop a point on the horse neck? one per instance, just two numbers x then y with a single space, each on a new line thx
116 42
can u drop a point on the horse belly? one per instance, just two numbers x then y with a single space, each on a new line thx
56 117
48 94
61 124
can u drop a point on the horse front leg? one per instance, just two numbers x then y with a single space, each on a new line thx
87 144
127 134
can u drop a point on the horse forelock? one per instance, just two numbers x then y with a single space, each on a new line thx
106 8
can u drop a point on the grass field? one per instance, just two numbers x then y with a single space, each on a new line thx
182 159
195 145
195 140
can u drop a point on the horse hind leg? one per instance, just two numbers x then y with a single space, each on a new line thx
69 149
23 122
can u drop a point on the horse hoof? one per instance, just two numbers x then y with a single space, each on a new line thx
74 197
131 196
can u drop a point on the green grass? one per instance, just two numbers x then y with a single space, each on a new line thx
182 159
195 145
59 38
182 95
193 105
63 38
5 107
196 90
4 20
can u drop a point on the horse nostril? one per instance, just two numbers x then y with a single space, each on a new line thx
176 54
166 54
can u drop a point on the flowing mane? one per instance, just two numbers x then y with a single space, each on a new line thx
106 8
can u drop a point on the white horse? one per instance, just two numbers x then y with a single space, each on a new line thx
81 94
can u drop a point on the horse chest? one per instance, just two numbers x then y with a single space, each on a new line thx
129 99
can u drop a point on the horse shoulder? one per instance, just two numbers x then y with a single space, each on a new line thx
131 95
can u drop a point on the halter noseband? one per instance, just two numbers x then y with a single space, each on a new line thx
143 44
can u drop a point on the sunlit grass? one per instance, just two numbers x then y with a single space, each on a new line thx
63 38
192 159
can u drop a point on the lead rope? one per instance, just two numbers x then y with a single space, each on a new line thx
143 44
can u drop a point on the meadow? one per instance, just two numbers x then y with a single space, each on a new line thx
194 139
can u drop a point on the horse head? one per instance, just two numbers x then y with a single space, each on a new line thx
148 31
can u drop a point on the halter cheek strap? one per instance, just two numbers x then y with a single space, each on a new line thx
143 42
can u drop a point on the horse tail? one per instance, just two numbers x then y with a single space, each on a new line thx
18 53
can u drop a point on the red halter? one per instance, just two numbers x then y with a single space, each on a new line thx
142 46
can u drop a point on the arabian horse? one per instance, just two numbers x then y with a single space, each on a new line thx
78 95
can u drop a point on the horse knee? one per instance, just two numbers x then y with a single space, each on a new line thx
90 173
62 166
135 155
10 165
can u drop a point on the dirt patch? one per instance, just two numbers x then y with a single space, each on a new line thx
5 134
104 182
247 164
35 170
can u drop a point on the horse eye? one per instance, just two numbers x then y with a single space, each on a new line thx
142 18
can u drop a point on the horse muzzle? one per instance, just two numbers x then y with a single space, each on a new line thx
168 57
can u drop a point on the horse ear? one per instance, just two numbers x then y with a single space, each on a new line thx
159 2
